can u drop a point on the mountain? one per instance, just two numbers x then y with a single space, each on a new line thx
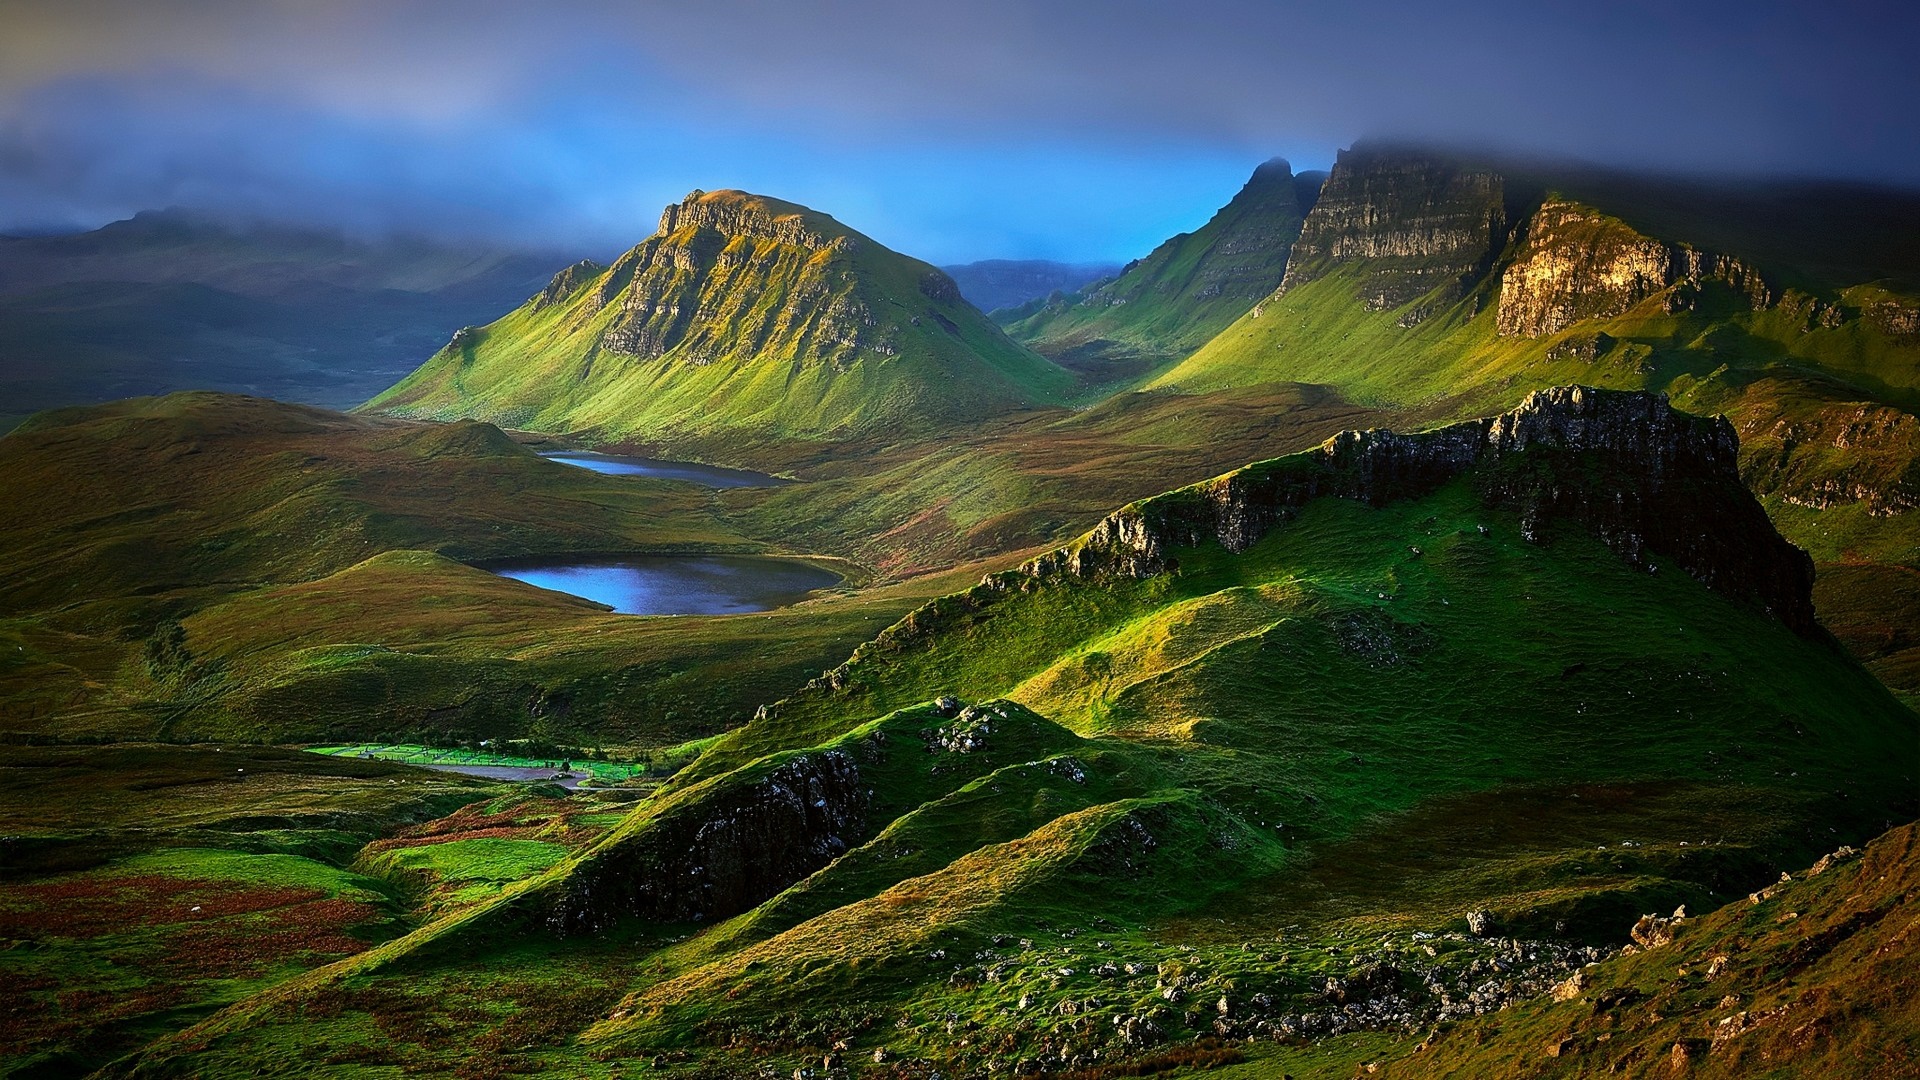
173 300
1188 289
1440 284
742 317
1282 768
1003 283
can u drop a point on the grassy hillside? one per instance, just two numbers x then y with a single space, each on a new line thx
210 566
1196 811
741 317
1189 288
1811 975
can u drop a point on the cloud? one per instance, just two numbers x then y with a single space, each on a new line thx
1012 127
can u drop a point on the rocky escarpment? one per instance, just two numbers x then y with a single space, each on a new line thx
1419 222
719 853
1577 263
567 282
696 286
1654 484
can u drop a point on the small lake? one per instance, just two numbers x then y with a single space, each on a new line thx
709 475
675 584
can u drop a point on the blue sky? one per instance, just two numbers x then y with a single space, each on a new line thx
997 128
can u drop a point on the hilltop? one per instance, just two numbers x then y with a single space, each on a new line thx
742 317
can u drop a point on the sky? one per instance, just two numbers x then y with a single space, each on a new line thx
1081 130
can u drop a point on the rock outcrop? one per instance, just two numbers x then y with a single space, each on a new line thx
1652 483
1577 263
720 852
567 282
1419 222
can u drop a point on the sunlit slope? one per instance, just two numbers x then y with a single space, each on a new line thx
742 314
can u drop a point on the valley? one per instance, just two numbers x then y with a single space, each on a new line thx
1313 647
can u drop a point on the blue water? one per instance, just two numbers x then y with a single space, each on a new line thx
675 584
710 475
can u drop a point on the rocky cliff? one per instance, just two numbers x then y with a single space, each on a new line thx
1418 221
1654 484
719 853
1577 263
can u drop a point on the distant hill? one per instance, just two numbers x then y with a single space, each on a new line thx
1191 287
172 300
1004 283
742 316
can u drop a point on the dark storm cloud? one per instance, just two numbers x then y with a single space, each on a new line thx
951 130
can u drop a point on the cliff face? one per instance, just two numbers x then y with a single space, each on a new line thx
1578 263
698 285
1419 222
717 856
1656 485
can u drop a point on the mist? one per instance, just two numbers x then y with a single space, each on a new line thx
1074 131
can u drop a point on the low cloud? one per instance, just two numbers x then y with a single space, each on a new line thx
1076 130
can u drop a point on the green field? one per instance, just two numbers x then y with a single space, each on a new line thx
606 772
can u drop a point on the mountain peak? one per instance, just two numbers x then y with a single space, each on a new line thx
741 213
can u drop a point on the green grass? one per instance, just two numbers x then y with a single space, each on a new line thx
487 860
605 771
146 886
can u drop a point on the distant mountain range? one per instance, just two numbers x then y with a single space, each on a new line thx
1004 283
171 300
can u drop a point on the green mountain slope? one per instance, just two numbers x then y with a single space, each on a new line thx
1191 287
1339 745
743 316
